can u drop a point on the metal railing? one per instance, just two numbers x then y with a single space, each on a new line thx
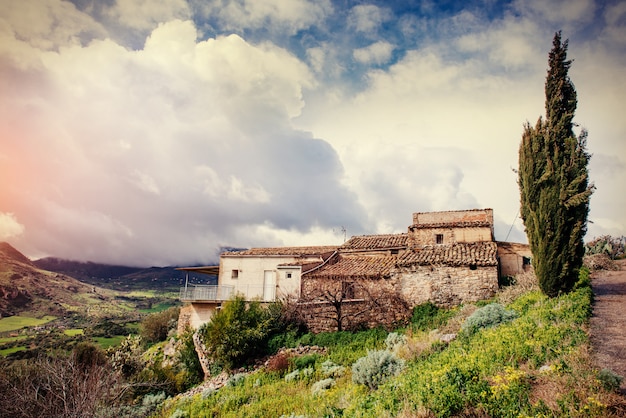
219 293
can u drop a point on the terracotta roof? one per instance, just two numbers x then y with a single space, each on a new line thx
459 254
375 242
284 251
513 247
362 266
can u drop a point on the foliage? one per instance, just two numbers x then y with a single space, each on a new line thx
429 316
553 181
238 332
189 360
609 379
322 385
395 340
126 358
376 367
156 326
78 384
488 316
613 247
302 362
331 369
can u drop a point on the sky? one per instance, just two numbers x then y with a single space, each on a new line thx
157 132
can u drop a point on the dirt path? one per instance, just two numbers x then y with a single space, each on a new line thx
608 322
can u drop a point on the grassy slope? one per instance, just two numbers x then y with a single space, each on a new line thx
536 365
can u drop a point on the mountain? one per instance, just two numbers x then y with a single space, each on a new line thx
123 278
24 287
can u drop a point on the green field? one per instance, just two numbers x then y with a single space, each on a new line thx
106 342
74 332
11 350
13 323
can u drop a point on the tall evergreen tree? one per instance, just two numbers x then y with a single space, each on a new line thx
554 181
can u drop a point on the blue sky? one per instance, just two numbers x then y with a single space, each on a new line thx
153 132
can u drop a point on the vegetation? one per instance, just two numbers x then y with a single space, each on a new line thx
488 316
613 247
238 331
16 322
553 181
536 364
156 326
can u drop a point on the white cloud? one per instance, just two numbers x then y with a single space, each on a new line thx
289 16
9 226
558 11
367 18
376 53
146 14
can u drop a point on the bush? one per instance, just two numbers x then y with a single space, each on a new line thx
156 326
394 340
302 362
330 369
322 385
488 316
375 368
429 316
610 380
239 332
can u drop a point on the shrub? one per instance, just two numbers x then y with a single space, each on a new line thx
394 340
189 360
610 380
488 316
429 316
156 326
375 368
322 385
236 379
238 332
330 369
179 413
279 363
302 362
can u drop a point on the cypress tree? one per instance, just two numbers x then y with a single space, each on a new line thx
554 181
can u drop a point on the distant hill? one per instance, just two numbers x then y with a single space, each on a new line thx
123 278
24 287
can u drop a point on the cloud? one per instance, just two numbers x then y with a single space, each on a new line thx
288 16
368 18
144 15
376 53
9 226
172 150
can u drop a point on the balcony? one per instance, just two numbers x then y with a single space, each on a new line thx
220 293
205 293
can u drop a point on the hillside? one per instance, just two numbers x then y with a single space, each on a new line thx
26 288
122 278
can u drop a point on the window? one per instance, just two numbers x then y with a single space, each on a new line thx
347 290
235 274
288 275
472 266
439 238
526 261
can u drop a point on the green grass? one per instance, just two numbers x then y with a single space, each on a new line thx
13 323
74 332
11 350
106 342
158 307
6 340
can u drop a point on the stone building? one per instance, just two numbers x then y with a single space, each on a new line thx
447 258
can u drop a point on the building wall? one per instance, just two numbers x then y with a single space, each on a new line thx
446 286
452 217
374 302
194 315
428 236
251 276
514 258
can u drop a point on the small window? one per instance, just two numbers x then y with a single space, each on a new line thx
472 266
235 274
288 275
347 290
526 261
439 238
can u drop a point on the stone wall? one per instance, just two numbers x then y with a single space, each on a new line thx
446 286
368 303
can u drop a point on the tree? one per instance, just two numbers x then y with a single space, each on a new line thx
554 181
238 332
